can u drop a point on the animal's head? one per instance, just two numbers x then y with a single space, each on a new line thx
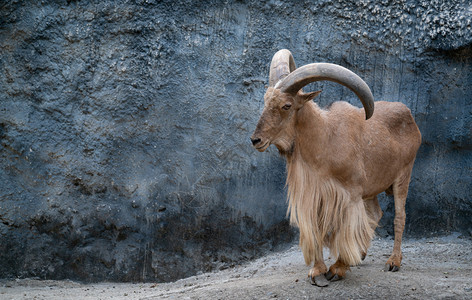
284 98
277 122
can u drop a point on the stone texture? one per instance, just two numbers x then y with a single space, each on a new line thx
124 126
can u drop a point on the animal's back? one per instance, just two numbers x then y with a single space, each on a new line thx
391 124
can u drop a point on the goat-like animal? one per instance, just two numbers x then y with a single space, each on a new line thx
337 162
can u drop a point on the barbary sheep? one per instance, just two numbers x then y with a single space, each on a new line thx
337 162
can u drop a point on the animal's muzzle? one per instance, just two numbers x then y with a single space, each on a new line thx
255 141
259 144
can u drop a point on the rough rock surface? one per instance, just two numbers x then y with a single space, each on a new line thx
124 126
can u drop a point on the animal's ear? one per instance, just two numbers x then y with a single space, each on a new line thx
309 96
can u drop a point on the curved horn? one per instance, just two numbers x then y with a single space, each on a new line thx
325 71
282 64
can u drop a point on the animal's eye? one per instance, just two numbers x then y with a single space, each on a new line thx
287 106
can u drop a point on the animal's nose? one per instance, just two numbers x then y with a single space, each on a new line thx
255 141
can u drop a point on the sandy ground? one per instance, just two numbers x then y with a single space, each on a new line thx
435 268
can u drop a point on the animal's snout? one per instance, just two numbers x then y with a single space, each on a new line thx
260 144
255 141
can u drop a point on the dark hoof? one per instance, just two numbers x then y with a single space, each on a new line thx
333 277
320 281
363 256
391 268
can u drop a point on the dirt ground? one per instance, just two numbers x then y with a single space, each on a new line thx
433 268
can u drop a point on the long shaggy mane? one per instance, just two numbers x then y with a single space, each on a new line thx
326 214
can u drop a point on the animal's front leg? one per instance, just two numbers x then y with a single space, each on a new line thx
338 270
317 273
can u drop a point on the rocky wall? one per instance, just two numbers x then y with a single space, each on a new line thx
124 126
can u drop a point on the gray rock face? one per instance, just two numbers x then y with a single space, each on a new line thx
124 126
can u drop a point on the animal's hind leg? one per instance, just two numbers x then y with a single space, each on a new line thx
400 192
374 212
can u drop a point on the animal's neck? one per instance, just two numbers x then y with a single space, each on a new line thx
310 132
310 114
